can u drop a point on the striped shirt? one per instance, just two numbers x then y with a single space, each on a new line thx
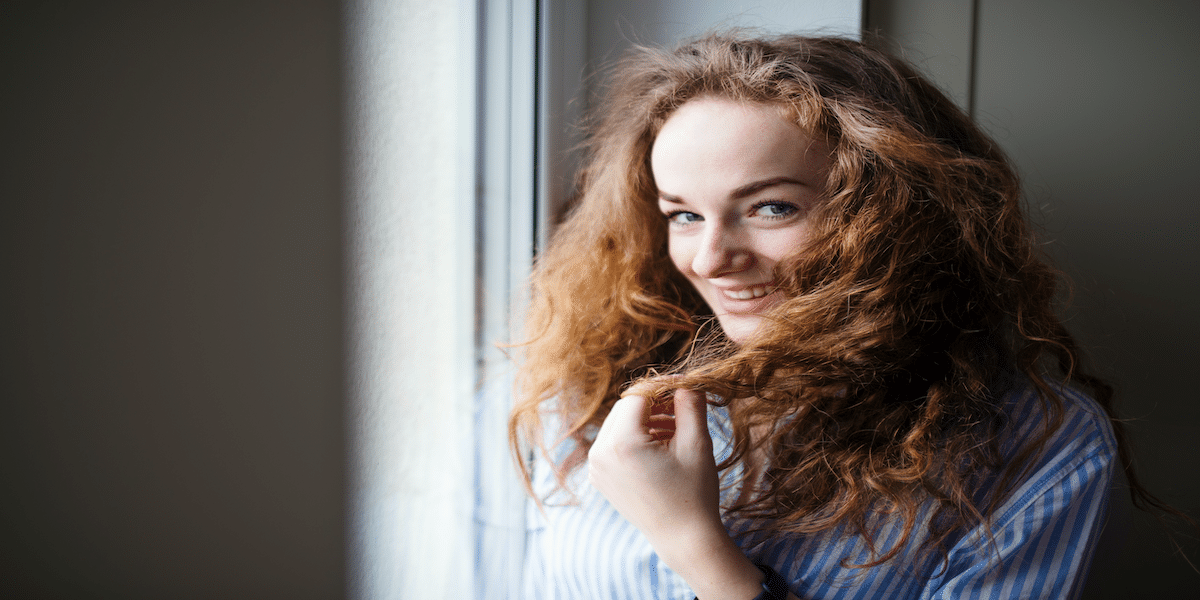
1043 538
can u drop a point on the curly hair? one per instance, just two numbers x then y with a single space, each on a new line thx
920 293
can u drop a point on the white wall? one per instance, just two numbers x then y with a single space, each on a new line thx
410 226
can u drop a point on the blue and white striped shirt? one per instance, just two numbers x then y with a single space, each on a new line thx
1044 533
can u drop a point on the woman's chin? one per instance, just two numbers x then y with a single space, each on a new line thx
739 328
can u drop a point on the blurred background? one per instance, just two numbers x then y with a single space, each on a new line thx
230 231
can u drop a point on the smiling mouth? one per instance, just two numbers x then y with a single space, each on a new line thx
750 293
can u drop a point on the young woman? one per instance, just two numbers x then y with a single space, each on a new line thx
796 340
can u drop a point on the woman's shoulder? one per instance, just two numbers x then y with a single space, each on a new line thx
1065 442
1061 416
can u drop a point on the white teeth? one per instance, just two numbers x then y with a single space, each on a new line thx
757 291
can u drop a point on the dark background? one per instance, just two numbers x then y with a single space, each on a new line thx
171 320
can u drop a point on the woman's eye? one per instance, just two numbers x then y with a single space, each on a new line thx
683 217
774 210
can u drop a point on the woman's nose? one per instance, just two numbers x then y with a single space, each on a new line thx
719 253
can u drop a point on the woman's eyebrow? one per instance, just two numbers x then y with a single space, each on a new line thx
751 188
741 192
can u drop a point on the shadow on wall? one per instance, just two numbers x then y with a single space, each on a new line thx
171 348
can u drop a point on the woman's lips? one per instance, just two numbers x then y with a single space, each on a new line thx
747 300
749 293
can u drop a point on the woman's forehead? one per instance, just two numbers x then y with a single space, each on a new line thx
729 140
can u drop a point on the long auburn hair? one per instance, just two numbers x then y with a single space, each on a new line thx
920 293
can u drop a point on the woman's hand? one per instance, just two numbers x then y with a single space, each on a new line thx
655 464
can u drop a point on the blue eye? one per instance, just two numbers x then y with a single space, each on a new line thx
682 217
774 210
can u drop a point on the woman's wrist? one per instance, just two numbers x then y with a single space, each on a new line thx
713 565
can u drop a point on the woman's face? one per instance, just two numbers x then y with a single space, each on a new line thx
736 182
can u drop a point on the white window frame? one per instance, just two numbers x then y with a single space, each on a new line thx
528 70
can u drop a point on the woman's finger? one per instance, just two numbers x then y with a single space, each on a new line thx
648 387
691 411
641 388
628 417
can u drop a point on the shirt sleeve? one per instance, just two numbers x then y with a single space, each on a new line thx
1043 537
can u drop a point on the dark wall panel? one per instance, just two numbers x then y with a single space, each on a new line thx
170 326
1096 100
